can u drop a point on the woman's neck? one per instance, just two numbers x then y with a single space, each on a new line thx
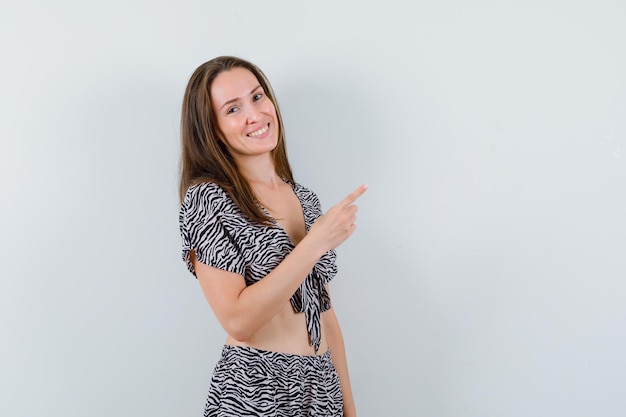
259 170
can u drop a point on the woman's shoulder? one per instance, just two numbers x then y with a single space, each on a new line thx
205 187
206 193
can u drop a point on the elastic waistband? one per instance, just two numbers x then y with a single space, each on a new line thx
249 356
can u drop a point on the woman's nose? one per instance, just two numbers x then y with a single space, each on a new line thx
252 115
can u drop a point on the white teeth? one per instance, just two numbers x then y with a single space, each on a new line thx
259 132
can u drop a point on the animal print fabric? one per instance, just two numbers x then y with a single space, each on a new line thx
212 225
253 382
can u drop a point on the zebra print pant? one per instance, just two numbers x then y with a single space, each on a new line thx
255 383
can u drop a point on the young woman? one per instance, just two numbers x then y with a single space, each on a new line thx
262 251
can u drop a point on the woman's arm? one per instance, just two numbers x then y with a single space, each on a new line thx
335 342
241 309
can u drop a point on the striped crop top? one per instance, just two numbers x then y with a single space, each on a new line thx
221 236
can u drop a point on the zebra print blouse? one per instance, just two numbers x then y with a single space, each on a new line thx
221 236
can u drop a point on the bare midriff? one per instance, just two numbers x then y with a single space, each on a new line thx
286 332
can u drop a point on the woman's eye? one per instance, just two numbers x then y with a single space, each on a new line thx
232 110
258 97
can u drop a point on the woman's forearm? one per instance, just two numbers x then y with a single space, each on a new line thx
241 309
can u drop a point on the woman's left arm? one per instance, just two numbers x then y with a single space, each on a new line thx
337 348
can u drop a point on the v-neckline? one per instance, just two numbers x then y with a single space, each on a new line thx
279 226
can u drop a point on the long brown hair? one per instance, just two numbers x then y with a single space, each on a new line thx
204 157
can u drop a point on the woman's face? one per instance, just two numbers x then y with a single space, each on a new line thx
244 114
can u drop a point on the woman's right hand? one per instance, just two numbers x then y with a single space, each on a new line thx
337 225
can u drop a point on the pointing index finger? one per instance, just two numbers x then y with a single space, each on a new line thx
352 197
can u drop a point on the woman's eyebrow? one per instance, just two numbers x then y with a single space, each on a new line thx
237 98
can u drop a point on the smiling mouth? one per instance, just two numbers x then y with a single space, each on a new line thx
259 132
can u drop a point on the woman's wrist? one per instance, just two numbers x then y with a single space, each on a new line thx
310 245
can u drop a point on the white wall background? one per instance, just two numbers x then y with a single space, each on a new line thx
487 274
